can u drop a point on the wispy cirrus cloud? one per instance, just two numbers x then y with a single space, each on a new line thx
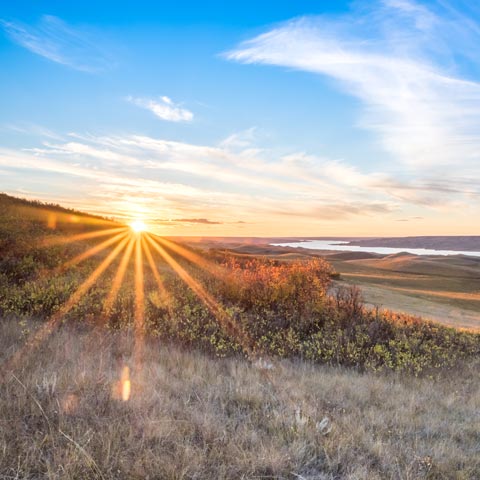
407 63
59 42
205 221
241 140
185 221
163 108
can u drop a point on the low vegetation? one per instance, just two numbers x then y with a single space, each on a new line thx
223 366
279 309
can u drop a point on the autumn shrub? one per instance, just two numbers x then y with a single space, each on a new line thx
292 289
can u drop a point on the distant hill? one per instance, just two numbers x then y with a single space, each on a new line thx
352 256
467 243
453 266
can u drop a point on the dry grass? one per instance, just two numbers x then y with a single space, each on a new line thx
193 416
422 306
446 281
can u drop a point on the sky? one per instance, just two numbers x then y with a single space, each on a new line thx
272 118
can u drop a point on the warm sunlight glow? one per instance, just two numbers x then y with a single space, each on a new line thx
138 226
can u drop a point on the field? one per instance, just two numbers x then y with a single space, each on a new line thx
443 289
127 355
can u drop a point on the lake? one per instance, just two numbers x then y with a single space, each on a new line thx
340 246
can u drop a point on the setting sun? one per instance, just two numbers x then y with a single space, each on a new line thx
138 226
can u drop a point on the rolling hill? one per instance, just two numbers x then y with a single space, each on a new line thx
127 355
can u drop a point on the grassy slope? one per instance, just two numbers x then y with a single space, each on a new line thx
191 416
446 289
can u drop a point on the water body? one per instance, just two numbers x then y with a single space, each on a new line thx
340 246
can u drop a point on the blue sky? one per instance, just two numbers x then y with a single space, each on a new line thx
234 118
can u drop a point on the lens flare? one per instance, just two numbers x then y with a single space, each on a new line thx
125 384
118 279
63 240
38 337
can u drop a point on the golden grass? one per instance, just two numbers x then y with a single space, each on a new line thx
451 300
376 276
446 294
386 298
63 415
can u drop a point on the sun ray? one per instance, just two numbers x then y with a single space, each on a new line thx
50 242
161 287
91 251
193 257
118 279
46 329
139 318
225 320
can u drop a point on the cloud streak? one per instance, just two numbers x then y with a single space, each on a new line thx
194 188
186 221
163 108
402 61
55 40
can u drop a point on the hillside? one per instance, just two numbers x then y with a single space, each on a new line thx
189 415
445 289
94 272
452 266
127 355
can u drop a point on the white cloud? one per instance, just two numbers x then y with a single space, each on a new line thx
403 61
241 139
59 42
163 108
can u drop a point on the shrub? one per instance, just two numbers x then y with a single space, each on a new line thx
261 306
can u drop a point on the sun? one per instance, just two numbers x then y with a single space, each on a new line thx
138 226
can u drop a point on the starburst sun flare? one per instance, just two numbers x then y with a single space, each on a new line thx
138 226
131 241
